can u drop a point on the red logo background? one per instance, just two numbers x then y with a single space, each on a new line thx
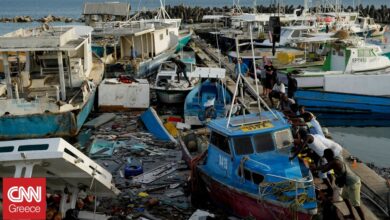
9 206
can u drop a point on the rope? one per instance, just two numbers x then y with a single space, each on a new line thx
193 164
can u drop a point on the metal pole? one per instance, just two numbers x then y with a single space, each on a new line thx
254 70
234 98
62 76
7 75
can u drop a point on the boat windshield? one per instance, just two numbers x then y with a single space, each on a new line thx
243 145
263 142
283 138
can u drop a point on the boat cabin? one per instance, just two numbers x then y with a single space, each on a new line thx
42 64
96 13
355 56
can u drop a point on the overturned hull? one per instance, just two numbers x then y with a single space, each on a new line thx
47 124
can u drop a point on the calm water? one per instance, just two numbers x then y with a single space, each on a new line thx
369 144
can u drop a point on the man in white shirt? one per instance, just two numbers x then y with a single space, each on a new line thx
318 144
277 91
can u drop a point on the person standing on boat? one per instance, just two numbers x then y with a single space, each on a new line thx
278 91
292 85
270 77
181 68
244 70
347 179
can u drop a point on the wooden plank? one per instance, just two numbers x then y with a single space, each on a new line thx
102 119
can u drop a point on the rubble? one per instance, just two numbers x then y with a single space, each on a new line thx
159 192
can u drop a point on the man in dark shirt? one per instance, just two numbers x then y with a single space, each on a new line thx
292 85
181 68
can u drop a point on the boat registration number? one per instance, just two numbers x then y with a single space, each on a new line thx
257 126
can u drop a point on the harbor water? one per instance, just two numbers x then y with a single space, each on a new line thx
370 144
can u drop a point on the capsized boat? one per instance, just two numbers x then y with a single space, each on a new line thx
65 168
346 109
155 126
50 81
194 106
246 169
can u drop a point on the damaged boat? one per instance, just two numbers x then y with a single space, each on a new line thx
49 81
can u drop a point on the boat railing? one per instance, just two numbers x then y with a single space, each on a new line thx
287 184
124 24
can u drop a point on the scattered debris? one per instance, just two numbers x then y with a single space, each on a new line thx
102 119
156 173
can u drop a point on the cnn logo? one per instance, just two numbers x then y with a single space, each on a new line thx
25 198
23 194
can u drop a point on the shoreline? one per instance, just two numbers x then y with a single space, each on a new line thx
194 14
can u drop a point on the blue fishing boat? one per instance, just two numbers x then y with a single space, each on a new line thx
344 109
155 126
194 107
246 168
49 87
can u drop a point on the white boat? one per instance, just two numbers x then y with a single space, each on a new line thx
66 169
167 87
50 81
351 66
139 45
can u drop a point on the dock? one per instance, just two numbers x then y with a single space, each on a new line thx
375 191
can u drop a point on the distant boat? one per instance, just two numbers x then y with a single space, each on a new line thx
138 46
49 88
246 169
352 59
194 109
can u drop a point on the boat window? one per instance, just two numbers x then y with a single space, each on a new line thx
283 138
6 149
165 78
296 33
263 142
365 53
257 178
247 174
33 147
220 142
243 145
168 66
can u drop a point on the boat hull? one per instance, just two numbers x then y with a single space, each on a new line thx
244 206
47 124
342 109
155 125
171 97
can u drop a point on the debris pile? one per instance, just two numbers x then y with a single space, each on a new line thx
150 173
